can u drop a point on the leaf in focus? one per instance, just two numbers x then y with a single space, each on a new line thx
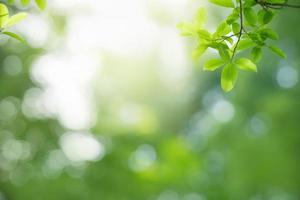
269 33
3 15
246 64
213 64
250 16
233 16
277 51
236 28
15 19
223 29
245 44
223 52
256 54
228 77
224 3
265 16
15 36
187 29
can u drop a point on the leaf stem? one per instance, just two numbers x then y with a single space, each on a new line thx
241 30
265 4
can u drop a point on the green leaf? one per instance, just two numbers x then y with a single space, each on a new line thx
265 16
3 15
15 19
277 51
223 29
233 16
246 64
250 16
256 54
269 33
187 29
41 4
224 3
201 17
229 77
15 36
199 51
204 34
250 3
224 53
213 64
229 39
236 28
245 44
11 2
25 2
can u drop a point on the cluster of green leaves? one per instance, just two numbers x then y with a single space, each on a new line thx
7 21
40 3
244 29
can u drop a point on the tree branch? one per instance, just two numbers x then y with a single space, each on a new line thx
241 30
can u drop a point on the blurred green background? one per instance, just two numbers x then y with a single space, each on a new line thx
106 103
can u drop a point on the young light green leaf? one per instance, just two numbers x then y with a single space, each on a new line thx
25 2
245 44
41 4
256 54
277 51
187 29
11 1
223 29
246 64
224 3
233 16
228 77
213 64
236 28
15 36
199 51
265 16
3 15
224 53
15 19
250 16
269 33
229 39
204 34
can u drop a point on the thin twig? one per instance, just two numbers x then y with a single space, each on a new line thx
241 30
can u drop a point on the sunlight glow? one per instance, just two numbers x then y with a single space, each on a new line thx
223 111
287 77
80 147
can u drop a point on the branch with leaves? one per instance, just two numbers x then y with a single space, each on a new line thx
7 21
245 28
40 3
